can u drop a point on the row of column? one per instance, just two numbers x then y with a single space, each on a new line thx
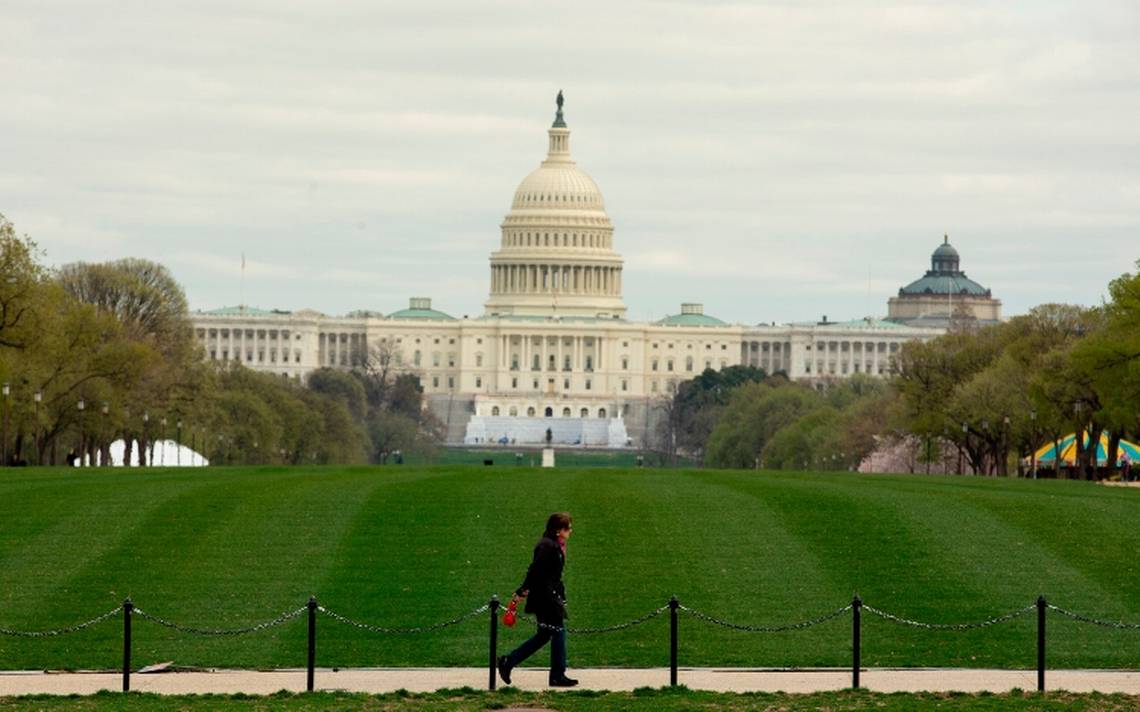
577 350
563 279
238 343
777 359
338 348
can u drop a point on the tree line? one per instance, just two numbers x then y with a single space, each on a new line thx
988 396
91 354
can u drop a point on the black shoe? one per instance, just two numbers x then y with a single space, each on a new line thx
563 682
504 669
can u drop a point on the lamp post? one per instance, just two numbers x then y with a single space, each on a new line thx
965 434
1078 439
7 389
985 441
37 397
102 430
82 431
1033 442
1005 445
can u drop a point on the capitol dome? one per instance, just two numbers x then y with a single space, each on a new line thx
556 257
558 187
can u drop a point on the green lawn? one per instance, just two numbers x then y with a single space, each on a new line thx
642 700
403 546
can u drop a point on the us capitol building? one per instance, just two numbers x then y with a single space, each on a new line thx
554 348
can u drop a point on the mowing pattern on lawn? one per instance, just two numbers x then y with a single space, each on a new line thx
406 547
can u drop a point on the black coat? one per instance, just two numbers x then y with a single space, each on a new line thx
547 597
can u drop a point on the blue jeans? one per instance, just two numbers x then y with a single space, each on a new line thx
548 630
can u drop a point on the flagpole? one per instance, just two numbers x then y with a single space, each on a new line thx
241 306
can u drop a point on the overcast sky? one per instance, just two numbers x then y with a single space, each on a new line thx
775 161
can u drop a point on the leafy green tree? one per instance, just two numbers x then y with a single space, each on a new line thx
150 307
1110 358
341 386
754 414
813 441
20 288
698 403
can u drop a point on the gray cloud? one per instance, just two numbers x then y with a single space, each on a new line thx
776 161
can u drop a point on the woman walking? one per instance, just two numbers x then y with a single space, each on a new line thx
546 600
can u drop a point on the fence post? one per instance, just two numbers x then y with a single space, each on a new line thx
673 604
493 652
311 666
127 608
856 643
1041 643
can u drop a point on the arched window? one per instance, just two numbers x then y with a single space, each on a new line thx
416 358
530 411
601 412
585 413
514 411
689 363
565 412
549 413
494 410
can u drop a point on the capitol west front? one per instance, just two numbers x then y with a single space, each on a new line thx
553 348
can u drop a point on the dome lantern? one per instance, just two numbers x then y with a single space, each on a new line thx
945 257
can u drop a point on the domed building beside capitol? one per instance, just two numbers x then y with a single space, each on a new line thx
553 348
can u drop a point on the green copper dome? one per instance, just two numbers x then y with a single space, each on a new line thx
420 308
944 276
691 315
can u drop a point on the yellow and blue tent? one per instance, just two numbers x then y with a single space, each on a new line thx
1067 447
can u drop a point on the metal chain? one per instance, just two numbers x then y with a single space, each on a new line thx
403 631
599 629
283 618
949 626
1094 621
61 631
764 628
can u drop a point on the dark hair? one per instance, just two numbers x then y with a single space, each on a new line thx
557 522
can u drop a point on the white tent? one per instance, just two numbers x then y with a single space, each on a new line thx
161 453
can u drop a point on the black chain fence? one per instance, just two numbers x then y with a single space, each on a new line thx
950 626
128 611
191 630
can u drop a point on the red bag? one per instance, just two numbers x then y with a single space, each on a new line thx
511 616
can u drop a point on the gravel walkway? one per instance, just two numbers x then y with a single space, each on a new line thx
715 679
